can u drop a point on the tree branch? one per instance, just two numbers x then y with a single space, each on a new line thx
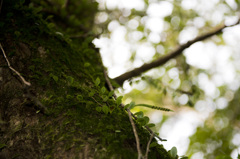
138 71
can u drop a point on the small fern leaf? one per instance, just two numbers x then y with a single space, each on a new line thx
154 107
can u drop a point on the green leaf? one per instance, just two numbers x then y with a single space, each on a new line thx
70 79
50 25
117 131
17 33
131 105
105 98
38 9
139 114
2 145
103 90
97 82
80 97
119 100
127 106
184 157
99 109
91 93
146 119
110 93
143 121
153 144
105 109
89 104
173 152
55 78
150 125
69 96
87 64
49 17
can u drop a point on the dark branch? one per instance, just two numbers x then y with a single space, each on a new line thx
138 71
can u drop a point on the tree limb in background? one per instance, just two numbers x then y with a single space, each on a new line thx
138 71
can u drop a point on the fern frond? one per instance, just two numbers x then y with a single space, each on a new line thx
155 107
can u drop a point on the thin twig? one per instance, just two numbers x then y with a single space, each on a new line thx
122 105
10 67
148 146
96 101
151 132
162 60
27 84
129 115
135 134
109 83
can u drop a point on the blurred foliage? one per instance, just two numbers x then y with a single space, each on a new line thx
220 133
178 83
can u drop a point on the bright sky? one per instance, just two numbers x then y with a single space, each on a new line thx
116 52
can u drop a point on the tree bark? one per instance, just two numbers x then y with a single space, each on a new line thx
56 116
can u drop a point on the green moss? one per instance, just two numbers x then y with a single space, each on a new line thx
64 75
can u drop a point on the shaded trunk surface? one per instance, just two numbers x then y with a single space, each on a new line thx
56 116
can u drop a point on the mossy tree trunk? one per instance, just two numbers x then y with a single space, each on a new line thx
56 117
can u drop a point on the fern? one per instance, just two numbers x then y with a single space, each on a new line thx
155 107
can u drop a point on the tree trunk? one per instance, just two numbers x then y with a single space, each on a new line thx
65 112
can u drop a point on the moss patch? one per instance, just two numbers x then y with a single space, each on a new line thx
67 77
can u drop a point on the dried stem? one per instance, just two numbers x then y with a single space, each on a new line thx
148 146
10 67
135 134
129 115
28 84
96 101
